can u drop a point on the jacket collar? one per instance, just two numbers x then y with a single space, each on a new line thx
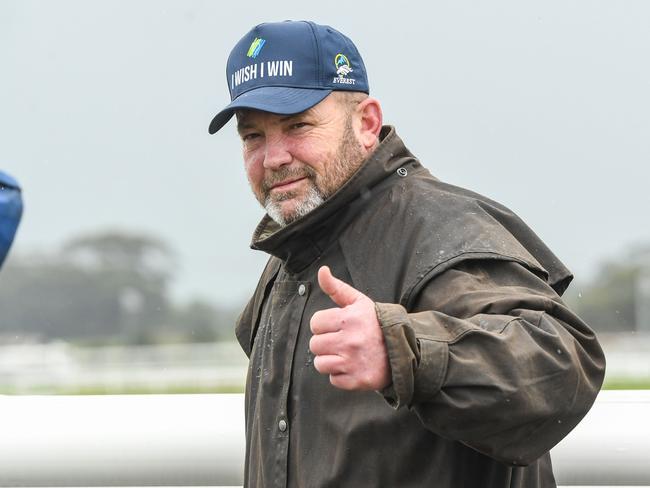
304 240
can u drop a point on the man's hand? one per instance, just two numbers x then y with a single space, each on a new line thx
348 343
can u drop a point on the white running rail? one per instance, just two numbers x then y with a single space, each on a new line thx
198 440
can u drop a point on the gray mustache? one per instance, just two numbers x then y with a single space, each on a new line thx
287 173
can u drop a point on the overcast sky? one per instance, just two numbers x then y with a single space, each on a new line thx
543 106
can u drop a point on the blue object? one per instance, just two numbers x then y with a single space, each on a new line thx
288 67
11 209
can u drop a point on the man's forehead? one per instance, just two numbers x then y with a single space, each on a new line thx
247 116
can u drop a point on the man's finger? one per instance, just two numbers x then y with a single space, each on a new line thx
343 381
340 292
329 364
321 345
325 321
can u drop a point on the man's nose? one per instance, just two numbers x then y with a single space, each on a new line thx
277 153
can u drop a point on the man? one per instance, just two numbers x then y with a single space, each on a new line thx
405 332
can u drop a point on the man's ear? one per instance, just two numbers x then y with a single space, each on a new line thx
369 112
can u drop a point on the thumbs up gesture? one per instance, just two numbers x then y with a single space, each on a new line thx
348 343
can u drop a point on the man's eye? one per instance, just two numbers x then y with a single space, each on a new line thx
249 137
299 125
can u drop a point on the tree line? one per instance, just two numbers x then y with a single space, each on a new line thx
113 287
104 288
615 299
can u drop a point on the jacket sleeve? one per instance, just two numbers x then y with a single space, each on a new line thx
490 356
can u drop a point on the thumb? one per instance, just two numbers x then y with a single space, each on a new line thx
340 292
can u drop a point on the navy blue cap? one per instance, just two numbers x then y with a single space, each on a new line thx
288 67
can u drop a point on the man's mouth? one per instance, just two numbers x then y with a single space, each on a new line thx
287 184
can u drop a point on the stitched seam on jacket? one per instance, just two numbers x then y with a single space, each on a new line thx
430 272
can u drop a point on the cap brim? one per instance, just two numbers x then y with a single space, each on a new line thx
275 99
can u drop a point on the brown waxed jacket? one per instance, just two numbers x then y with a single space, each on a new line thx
490 369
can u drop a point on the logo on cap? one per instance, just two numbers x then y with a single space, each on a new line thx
256 47
343 67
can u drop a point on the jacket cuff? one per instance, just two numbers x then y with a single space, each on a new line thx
430 375
418 365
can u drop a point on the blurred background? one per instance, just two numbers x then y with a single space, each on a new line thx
132 259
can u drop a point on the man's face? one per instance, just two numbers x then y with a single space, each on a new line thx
294 163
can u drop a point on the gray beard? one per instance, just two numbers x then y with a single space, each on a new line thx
312 200
348 159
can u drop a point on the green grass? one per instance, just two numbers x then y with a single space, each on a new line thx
627 384
610 384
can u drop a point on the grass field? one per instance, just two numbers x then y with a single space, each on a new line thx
610 384
627 384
